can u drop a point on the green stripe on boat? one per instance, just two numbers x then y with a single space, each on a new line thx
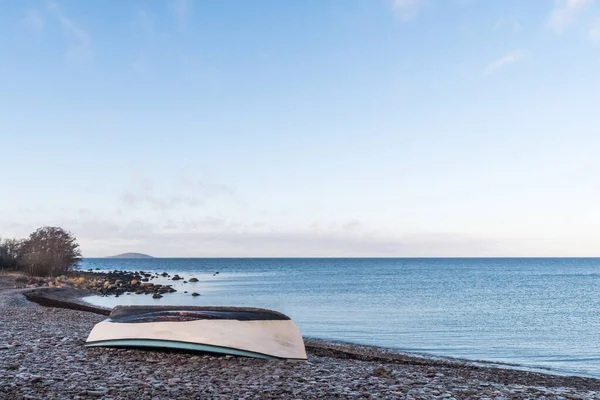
170 344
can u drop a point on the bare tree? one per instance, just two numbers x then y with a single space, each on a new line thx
50 251
10 253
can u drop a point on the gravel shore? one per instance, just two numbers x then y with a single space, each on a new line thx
42 357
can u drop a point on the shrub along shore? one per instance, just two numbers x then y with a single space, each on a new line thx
42 356
49 251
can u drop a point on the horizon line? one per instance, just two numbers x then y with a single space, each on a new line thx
338 257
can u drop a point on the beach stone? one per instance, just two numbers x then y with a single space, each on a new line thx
193 279
195 294
95 393
156 296
43 357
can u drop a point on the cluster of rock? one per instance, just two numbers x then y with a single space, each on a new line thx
121 282
35 282
110 283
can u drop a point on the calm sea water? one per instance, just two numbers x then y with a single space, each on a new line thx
541 313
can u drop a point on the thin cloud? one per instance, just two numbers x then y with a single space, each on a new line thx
160 203
594 33
566 12
406 10
516 27
189 193
144 23
181 9
214 237
205 188
140 66
79 50
34 21
145 30
352 226
78 35
501 62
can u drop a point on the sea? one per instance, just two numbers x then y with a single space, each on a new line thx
530 313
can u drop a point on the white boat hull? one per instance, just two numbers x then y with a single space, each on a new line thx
261 338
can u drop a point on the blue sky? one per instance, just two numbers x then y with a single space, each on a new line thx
303 128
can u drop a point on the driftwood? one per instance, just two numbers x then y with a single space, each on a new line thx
64 298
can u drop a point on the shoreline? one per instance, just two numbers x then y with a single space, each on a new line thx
385 371
71 297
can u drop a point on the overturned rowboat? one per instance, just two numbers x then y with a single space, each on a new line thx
249 332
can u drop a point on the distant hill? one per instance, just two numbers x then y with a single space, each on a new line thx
131 255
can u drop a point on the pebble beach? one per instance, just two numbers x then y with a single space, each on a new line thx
42 356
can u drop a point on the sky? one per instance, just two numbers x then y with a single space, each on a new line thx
314 128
